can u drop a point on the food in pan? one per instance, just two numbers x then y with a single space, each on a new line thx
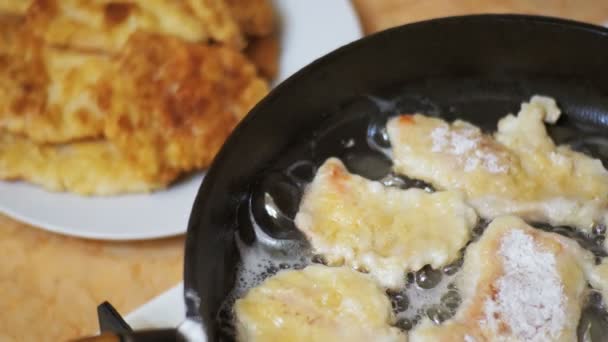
599 278
381 230
317 303
517 284
518 274
149 99
518 170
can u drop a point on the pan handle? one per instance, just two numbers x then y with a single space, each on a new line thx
157 335
114 329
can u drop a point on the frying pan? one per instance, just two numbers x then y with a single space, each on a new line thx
477 67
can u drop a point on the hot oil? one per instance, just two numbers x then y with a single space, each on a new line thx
264 254
269 242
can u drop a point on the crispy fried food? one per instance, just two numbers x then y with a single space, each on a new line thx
103 97
518 284
17 7
254 17
106 25
169 105
177 101
264 53
517 171
386 231
165 106
10 31
317 303
256 20
50 94
90 167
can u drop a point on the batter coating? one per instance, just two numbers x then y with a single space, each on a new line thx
386 231
518 284
318 303
518 171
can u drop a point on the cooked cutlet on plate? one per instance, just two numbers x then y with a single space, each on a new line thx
10 26
175 101
15 7
106 25
386 231
318 303
95 167
257 22
49 94
167 105
254 17
518 170
517 284
264 53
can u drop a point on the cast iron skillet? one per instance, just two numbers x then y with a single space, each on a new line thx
483 66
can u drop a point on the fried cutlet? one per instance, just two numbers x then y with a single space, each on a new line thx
518 284
519 170
256 20
49 94
74 117
105 25
89 167
169 105
254 17
15 7
264 53
383 230
317 303
177 101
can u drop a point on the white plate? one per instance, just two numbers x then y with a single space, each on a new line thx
309 29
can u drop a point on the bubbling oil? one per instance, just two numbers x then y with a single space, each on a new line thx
269 242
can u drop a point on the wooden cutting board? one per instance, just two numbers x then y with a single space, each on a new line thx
50 284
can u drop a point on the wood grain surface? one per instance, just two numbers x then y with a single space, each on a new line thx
381 14
51 284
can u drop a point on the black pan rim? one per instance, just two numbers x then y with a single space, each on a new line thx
203 194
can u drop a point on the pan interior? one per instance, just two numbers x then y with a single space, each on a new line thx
267 240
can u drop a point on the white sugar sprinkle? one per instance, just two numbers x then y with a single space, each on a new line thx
440 138
529 298
466 143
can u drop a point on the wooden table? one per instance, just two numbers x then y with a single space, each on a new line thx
381 14
51 284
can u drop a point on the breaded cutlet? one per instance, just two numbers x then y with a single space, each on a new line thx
169 105
264 53
92 120
178 101
89 167
254 17
51 96
106 25
14 7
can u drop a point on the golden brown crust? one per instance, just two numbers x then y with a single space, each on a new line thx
117 110
177 101
255 17
16 7
105 25
47 93
88 167
264 53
